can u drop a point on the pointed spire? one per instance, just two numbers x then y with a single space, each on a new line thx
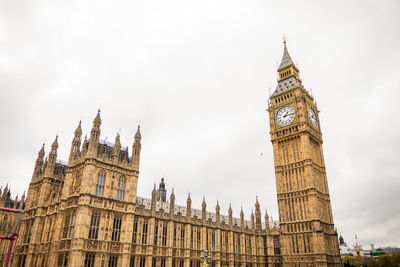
257 204
203 204
138 135
230 209
54 146
172 197
286 59
97 119
78 130
117 146
41 152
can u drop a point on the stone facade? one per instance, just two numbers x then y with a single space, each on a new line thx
87 213
307 231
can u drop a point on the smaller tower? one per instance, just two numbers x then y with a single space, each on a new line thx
95 135
258 214
153 198
52 158
76 143
189 207
230 214
203 209
252 220
161 191
217 210
137 146
241 217
116 148
39 162
172 203
266 220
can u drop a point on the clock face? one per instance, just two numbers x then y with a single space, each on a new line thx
285 116
312 116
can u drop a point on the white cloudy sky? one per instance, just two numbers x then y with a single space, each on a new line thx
197 75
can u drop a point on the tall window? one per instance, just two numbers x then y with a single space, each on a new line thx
49 234
277 250
198 239
144 235
113 261
116 232
89 260
238 244
68 225
94 226
28 231
121 188
191 240
174 244
155 234
250 244
207 238
213 240
182 237
142 262
134 235
226 242
164 234
101 179
162 262
132 263
63 259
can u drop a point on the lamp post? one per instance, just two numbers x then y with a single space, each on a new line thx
205 259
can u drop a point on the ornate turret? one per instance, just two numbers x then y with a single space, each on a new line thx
189 207
84 146
266 218
217 210
172 203
117 147
203 209
39 162
241 217
76 143
230 214
258 214
161 191
95 135
51 162
137 146
252 220
153 198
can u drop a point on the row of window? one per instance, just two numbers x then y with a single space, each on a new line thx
90 258
161 228
100 183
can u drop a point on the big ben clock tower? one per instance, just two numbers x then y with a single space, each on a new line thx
308 237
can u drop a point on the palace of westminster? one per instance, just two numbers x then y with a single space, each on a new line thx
86 212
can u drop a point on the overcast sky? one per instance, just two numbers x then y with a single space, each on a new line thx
197 74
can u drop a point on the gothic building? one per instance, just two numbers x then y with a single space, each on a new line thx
86 212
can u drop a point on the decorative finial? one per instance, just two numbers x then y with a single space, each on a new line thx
284 39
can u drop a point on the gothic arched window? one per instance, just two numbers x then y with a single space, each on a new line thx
121 188
101 180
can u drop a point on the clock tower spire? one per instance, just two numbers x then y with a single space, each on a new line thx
305 215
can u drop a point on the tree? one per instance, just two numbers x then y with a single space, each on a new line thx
385 261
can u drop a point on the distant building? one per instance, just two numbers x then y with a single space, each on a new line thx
344 249
161 192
